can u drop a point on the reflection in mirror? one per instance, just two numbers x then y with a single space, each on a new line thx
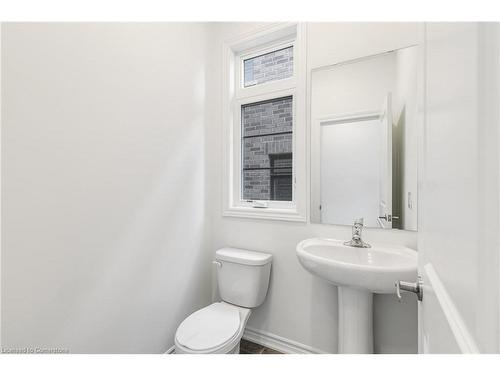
364 141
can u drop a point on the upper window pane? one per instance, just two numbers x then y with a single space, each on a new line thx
271 66
267 150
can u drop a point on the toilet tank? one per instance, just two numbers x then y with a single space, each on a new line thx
243 276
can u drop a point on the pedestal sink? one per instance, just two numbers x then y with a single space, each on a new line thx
358 273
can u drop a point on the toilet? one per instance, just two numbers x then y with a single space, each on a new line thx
243 280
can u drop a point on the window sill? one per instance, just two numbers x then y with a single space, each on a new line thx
283 214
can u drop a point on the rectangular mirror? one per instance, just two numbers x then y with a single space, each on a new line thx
364 141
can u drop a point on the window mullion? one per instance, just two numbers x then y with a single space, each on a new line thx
266 89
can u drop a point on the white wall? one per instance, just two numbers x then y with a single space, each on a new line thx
104 246
301 307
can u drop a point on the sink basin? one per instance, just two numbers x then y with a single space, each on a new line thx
375 269
358 273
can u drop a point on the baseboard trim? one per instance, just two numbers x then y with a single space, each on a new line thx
171 350
278 343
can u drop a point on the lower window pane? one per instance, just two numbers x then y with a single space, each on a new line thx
267 150
256 184
273 183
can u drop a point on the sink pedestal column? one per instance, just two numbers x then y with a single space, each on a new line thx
355 320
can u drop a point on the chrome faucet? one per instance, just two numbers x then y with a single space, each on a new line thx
356 240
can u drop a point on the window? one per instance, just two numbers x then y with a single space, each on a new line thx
265 139
268 67
267 131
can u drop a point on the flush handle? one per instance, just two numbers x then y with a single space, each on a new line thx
415 287
217 263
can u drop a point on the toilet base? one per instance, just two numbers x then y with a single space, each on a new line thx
235 350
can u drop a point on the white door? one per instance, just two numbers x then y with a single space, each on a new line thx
459 172
385 189
348 178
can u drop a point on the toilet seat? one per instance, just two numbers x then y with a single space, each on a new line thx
211 328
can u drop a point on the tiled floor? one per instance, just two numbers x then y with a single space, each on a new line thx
248 347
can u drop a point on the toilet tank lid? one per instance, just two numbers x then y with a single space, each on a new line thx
240 256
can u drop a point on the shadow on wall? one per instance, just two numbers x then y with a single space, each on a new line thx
391 326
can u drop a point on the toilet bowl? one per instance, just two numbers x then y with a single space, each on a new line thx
217 328
243 280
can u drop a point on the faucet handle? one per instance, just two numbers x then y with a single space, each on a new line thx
359 221
356 240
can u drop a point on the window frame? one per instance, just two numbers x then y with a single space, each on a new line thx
236 95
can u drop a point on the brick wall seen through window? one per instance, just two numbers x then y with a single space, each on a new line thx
267 128
268 67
